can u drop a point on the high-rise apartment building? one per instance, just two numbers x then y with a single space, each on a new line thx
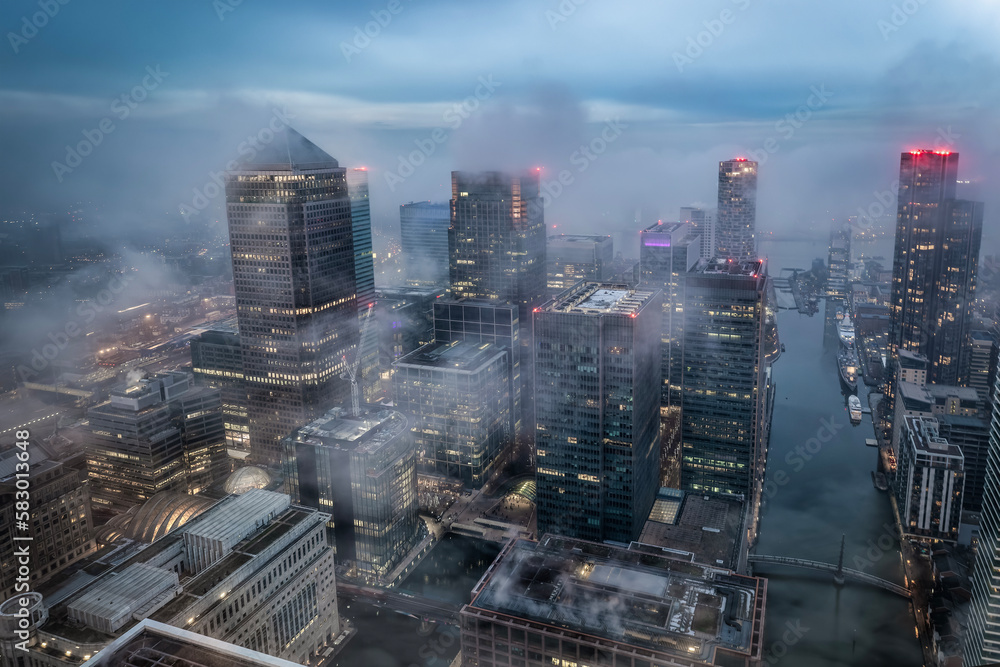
724 380
497 253
459 396
292 239
929 481
576 257
423 235
736 218
934 266
362 469
597 379
667 251
702 221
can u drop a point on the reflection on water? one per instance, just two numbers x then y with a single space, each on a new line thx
452 569
819 496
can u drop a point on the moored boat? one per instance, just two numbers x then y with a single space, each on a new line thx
854 407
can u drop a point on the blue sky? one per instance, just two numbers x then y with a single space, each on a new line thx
689 84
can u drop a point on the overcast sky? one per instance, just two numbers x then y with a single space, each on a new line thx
659 91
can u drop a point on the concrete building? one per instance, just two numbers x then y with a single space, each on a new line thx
60 523
597 378
459 396
292 239
577 257
736 218
930 479
724 420
363 471
667 251
702 223
561 601
253 571
423 235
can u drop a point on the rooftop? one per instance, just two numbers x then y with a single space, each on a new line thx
365 432
579 238
706 530
601 298
623 596
730 266
459 355
289 151
922 433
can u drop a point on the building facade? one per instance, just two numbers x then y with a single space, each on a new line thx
364 278
723 378
363 471
459 396
573 258
930 479
736 217
702 221
597 378
423 234
292 240
217 361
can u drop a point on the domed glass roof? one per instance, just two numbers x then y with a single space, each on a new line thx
245 479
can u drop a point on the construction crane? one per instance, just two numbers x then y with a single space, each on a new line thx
352 369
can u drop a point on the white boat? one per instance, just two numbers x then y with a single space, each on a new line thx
845 329
854 406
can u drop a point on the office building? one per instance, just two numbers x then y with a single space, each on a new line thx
982 365
573 258
403 322
702 222
458 394
561 601
155 434
667 251
61 527
929 481
362 470
364 278
736 217
496 246
982 635
597 378
724 381
217 361
291 234
423 234
253 571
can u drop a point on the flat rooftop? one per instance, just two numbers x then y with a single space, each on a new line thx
730 266
366 431
923 433
457 355
601 298
623 596
579 238
710 530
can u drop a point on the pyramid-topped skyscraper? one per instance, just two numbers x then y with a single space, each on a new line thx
294 274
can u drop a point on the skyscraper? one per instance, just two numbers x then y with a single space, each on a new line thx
703 223
723 401
597 400
364 277
576 257
290 228
736 219
929 481
496 246
667 251
423 235
934 266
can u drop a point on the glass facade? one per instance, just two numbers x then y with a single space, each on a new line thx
573 258
290 229
217 361
423 231
736 218
723 378
459 394
364 277
597 377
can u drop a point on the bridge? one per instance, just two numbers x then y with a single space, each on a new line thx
840 573
401 602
